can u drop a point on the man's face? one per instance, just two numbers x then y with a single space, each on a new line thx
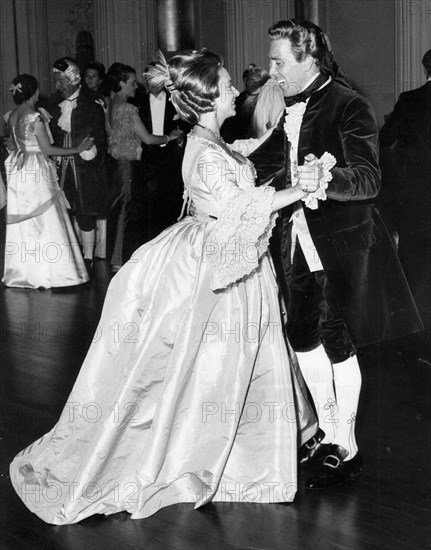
63 85
291 74
155 90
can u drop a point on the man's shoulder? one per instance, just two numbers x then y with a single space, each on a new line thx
340 96
141 99
345 93
412 96
90 97
53 102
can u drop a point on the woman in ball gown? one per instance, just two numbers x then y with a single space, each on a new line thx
41 247
189 392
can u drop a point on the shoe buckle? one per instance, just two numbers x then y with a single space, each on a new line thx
334 463
311 444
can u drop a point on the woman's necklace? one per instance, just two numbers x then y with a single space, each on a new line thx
216 136
237 156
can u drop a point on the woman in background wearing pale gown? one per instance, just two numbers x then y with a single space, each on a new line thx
41 247
193 390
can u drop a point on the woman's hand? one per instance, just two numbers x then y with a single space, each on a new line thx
86 144
288 196
310 174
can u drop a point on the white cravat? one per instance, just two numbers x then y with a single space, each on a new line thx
300 231
67 107
65 124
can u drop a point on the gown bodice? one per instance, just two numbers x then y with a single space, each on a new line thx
123 142
23 133
211 176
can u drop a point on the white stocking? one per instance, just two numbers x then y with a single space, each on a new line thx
88 241
347 380
77 229
100 250
317 372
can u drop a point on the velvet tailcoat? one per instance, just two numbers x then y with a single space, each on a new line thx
354 247
88 118
408 128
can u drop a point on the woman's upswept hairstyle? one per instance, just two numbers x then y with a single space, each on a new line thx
24 87
306 38
118 72
192 79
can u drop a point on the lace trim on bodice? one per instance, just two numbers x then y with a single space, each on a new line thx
25 142
187 194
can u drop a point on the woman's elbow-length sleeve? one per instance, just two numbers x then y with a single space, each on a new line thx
240 236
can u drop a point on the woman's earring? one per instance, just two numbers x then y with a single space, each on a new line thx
215 110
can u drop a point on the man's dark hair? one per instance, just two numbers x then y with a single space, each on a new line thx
305 38
426 62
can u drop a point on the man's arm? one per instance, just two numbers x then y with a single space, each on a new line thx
391 129
360 179
269 158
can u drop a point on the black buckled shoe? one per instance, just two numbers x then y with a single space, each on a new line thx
335 470
313 450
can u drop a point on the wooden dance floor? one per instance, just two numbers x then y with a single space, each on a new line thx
44 338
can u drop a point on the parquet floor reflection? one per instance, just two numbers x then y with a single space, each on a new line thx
44 336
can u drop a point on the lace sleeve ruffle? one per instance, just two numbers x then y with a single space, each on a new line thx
240 236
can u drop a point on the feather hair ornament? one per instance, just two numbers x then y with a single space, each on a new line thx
158 75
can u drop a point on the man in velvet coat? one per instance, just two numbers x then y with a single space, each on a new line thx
408 129
76 114
336 264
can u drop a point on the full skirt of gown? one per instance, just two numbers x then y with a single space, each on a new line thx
186 395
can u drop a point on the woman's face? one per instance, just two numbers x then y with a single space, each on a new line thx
129 87
228 93
92 79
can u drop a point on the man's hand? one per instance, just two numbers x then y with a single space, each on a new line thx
310 174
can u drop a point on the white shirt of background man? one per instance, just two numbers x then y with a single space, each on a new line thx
157 107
